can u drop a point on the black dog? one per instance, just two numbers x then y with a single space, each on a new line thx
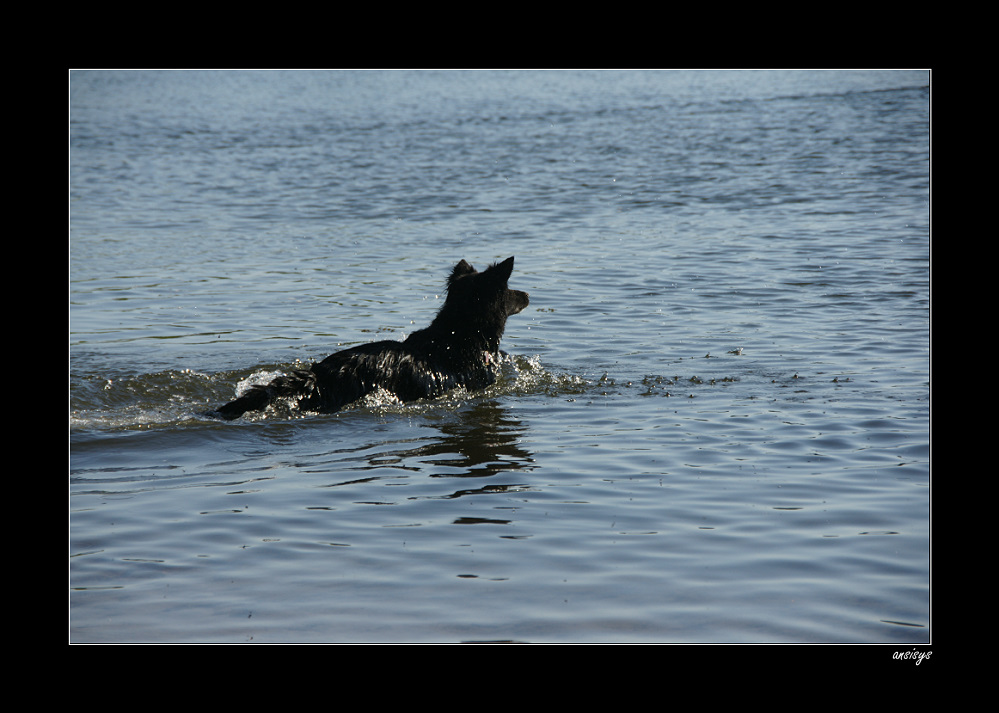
459 348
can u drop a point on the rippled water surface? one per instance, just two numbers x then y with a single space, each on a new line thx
713 420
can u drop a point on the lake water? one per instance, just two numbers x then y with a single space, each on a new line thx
713 422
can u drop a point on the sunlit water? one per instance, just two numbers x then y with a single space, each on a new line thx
712 425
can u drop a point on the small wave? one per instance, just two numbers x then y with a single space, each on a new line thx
526 375
173 397
142 400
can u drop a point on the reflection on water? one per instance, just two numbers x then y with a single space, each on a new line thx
478 440
484 441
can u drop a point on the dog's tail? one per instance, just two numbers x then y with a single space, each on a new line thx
299 385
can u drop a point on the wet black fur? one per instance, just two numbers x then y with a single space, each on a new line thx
459 348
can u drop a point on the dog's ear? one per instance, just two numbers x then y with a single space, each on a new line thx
502 270
460 270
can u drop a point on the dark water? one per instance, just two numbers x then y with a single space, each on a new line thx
633 477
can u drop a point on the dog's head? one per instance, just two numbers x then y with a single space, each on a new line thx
486 290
